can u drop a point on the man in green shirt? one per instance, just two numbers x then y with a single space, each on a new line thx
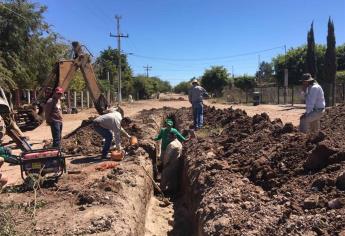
164 136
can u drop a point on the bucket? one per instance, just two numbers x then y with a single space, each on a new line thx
116 155
133 140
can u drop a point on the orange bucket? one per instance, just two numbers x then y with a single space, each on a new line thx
133 140
116 155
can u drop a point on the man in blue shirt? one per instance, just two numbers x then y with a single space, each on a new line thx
315 105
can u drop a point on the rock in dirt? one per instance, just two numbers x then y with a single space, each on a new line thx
319 157
335 203
311 202
340 183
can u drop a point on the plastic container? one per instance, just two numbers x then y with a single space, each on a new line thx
116 155
133 140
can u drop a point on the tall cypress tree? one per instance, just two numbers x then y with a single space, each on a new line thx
311 59
331 60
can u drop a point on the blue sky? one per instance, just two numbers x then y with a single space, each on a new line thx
182 38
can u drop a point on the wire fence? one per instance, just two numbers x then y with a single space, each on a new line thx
275 95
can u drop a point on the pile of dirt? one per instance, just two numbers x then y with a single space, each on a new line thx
250 175
85 140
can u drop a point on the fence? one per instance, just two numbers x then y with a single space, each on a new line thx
275 95
71 99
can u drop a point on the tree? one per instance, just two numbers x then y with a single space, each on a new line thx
215 79
265 72
330 64
341 57
108 62
311 59
144 87
295 63
28 47
182 87
245 82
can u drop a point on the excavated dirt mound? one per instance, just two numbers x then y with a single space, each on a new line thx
85 140
252 176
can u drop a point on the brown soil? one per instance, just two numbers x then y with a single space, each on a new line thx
253 176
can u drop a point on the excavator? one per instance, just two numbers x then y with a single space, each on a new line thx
62 74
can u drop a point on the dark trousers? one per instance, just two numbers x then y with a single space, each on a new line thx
107 135
198 114
56 129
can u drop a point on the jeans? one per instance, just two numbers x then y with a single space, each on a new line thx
198 114
56 129
107 135
310 123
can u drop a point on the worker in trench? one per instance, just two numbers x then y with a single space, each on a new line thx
171 165
109 125
164 136
315 105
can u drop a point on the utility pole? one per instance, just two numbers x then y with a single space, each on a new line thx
286 77
119 36
147 68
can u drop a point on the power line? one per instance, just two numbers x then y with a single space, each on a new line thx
206 59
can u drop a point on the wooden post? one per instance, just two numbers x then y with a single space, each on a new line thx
29 96
69 102
292 95
82 99
75 99
88 99
278 94
344 92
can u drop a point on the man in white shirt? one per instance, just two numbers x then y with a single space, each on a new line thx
107 125
315 105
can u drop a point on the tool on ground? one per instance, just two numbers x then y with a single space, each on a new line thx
48 163
166 201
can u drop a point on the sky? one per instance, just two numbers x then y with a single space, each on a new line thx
180 39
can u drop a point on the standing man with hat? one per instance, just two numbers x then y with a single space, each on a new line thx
53 114
196 96
315 105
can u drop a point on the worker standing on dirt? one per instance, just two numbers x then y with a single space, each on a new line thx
53 115
3 180
164 136
171 162
315 105
108 125
196 95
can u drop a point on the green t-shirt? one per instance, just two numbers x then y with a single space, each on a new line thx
4 152
163 134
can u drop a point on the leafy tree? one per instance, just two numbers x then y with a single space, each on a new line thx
182 87
215 79
341 57
311 59
330 64
245 82
341 76
144 87
295 62
106 63
28 47
265 72
78 83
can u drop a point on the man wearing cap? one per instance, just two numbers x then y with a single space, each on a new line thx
315 105
196 95
109 125
164 136
53 114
